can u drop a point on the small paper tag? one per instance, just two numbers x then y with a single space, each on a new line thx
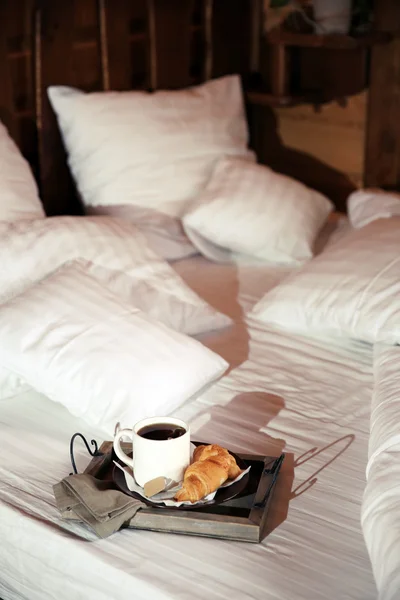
153 487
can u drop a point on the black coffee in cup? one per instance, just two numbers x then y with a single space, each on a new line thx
161 431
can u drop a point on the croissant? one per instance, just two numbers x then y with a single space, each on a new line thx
211 467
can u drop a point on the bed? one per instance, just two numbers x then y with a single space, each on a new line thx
298 392
281 395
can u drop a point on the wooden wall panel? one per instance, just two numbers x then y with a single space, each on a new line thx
339 74
17 96
86 58
140 45
170 42
231 31
145 44
118 45
55 48
126 45
198 46
6 98
382 156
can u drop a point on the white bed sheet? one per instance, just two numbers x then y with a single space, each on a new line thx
308 397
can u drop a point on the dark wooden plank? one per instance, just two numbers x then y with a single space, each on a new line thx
140 48
55 57
87 63
232 50
170 42
6 98
125 34
16 74
231 33
331 74
117 72
382 149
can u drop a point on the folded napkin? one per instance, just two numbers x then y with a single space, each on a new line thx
96 503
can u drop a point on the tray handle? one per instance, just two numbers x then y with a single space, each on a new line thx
94 452
274 471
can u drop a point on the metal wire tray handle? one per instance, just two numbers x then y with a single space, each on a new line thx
94 452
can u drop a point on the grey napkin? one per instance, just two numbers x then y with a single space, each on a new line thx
96 503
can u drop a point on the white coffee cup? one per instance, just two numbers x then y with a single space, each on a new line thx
154 457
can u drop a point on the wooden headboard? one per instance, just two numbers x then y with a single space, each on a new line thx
103 45
131 44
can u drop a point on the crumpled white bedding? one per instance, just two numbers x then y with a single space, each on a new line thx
381 503
381 522
385 406
308 397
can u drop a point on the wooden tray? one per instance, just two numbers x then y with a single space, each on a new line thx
242 518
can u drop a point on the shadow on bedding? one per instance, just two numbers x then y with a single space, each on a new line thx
218 284
340 446
284 493
243 421
232 344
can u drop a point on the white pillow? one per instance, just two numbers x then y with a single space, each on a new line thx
249 210
18 191
116 254
163 234
352 289
103 359
144 156
365 206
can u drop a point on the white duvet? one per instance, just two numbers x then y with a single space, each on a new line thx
381 503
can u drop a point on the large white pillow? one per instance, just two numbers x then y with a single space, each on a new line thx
248 210
104 360
116 254
352 289
144 156
365 206
18 191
